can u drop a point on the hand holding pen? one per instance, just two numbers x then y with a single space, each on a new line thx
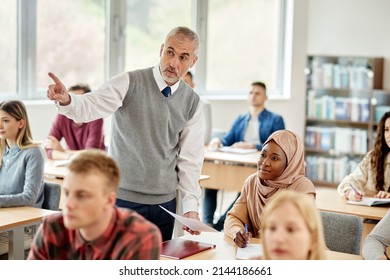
354 194
243 237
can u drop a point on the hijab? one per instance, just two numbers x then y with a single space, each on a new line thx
292 147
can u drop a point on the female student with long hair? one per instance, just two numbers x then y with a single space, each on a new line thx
280 167
372 176
21 159
296 236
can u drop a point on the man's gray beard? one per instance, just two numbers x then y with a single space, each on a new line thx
170 80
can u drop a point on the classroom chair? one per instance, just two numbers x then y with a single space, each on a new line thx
52 195
343 232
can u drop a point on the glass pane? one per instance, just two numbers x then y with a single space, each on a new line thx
8 47
70 41
242 44
148 22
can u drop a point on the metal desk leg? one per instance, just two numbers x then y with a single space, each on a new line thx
16 244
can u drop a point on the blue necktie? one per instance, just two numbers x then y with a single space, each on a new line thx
166 91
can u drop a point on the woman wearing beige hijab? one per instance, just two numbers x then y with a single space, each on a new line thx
280 167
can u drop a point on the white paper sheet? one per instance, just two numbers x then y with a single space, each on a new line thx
251 251
59 163
193 224
232 150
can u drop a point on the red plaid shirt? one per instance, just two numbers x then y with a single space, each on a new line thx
128 237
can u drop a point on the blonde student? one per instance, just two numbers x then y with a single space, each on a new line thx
90 226
21 165
21 159
297 235
372 176
280 167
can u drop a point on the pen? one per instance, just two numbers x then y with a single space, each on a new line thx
246 228
355 190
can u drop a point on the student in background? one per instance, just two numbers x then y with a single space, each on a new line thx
376 243
248 131
156 123
280 167
21 159
78 136
372 176
189 79
296 236
90 226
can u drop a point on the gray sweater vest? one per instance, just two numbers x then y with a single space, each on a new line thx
145 138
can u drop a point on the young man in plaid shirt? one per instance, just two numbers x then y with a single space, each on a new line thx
90 226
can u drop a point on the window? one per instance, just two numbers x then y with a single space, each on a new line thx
70 40
243 42
91 40
8 47
147 24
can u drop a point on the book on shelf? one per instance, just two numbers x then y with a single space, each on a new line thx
370 201
180 248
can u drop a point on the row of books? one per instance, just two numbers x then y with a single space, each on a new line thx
337 139
330 75
330 169
337 108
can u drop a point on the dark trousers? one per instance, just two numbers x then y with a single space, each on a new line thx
209 205
154 214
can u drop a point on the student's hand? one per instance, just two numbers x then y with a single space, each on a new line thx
353 196
382 194
57 91
191 215
244 145
54 144
215 143
382 258
242 238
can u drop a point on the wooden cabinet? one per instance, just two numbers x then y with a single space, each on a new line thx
341 114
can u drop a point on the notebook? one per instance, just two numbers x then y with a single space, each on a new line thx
250 252
179 248
370 201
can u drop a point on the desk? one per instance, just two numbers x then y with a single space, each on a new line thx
14 220
226 249
56 174
53 171
328 199
228 171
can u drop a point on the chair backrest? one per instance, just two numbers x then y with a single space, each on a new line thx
52 194
343 233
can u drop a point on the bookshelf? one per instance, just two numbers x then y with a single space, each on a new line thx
344 102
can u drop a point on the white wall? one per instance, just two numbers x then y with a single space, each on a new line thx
40 117
335 27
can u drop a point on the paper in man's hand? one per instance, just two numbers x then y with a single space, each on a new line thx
193 224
